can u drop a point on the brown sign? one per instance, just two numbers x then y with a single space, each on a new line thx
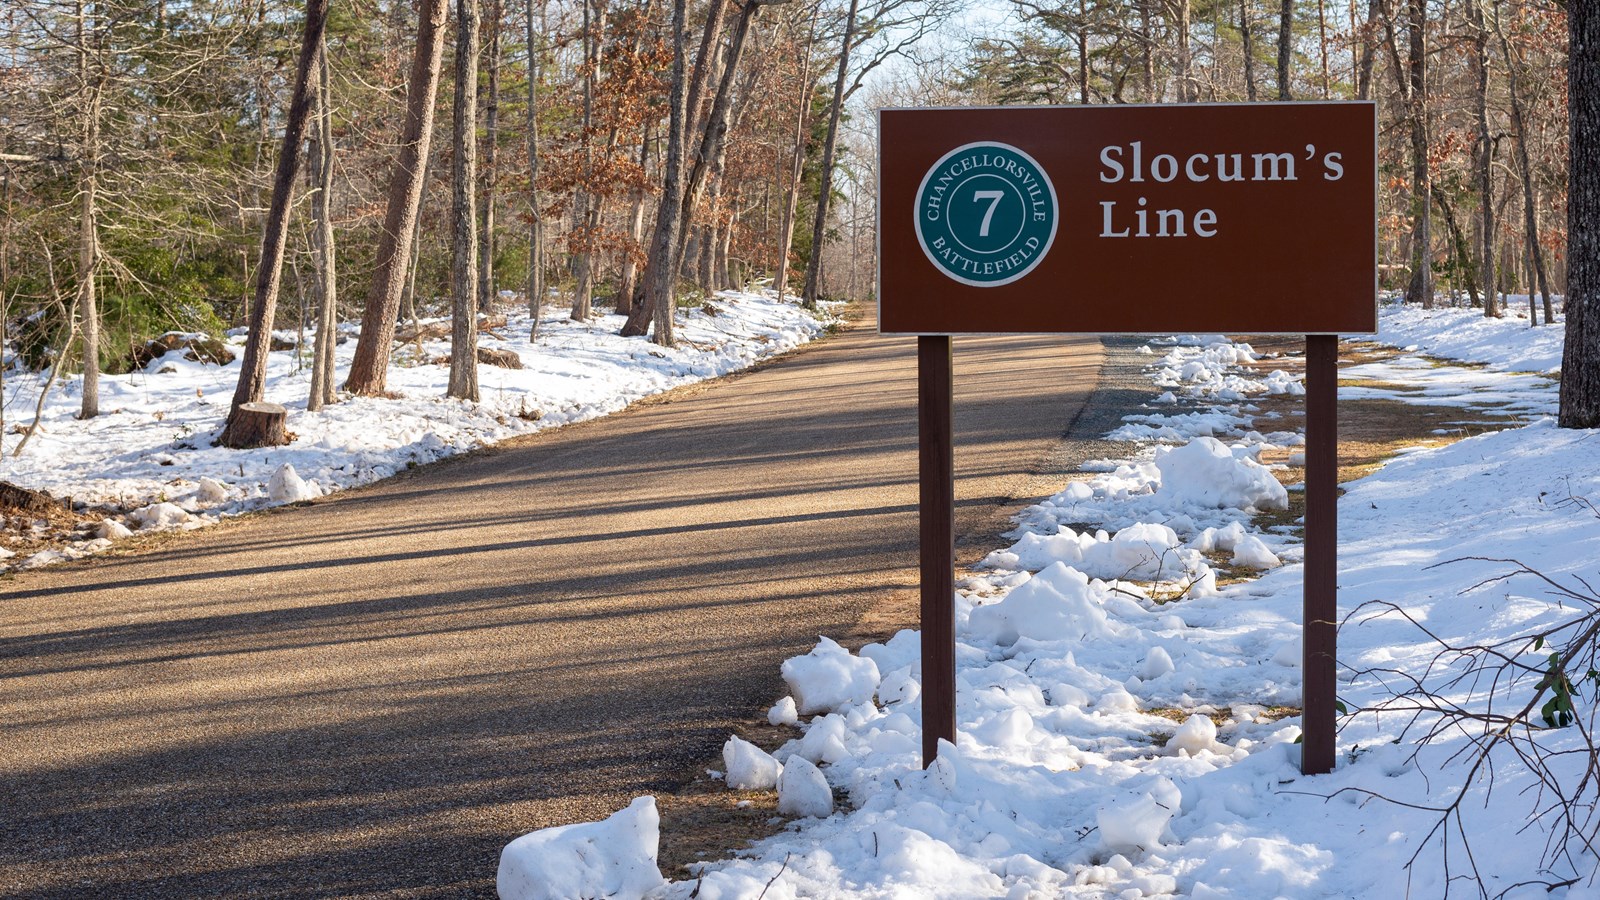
1256 218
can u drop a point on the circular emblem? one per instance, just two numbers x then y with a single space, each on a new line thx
986 214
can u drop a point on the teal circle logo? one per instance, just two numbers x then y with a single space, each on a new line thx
986 214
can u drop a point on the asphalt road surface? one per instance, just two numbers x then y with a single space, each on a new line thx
369 696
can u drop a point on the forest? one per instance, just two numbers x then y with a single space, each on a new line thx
194 166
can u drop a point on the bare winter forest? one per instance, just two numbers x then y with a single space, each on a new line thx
195 165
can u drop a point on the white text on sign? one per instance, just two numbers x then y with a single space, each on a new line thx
1127 163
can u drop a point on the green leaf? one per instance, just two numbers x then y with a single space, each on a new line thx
1339 705
1538 642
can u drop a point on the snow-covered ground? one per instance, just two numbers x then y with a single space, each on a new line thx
151 446
1506 344
1122 724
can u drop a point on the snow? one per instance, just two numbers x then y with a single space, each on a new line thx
1206 473
1252 553
286 486
750 768
614 858
828 678
1506 344
1118 740
153 441
803 791
784 712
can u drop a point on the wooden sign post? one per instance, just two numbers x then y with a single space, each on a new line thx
1243 218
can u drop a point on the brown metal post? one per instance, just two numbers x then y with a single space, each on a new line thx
937 496
1321 568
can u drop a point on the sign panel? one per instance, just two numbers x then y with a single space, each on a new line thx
1255 218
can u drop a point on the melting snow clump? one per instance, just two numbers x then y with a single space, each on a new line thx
750 768
803 791
829 677
615 858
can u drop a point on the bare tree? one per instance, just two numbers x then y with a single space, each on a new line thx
808 296
797 159
253 370
1285 48
369 368
1483 158
92 78
536 51
327 293
491 158
665 257
464 217
586 202
1580 364
1524 169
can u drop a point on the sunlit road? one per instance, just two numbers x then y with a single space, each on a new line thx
371 695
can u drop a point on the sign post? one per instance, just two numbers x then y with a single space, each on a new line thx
1241 218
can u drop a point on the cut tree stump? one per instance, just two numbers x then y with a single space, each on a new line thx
23 500
256 425
505 359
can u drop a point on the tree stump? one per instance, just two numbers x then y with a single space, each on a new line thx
256 425
23 500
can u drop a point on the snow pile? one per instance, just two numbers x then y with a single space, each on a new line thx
750 768
1507 345
615 858
1204 472
803 791
285 486
1057 604
161 515
153 441
1144 551
1116 744
828 678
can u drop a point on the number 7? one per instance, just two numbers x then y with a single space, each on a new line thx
994 200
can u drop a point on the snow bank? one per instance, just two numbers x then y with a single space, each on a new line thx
1508 344
1204 472
152 441
829 678
615 858
749 768
1060 784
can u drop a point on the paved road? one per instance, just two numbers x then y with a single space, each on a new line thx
370 696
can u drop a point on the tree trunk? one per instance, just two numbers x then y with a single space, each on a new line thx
536 218
1483 158
628 280
1580 365
797 160
1246 36
464 217
1186 89
88 222
1083 53
1524 168
1285 48
1368 53
258 424
1322 42
825 191
1420 290
327 291
586 205
1459 247
491 156
369 369
660 275
1147 57
253 370
716 127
